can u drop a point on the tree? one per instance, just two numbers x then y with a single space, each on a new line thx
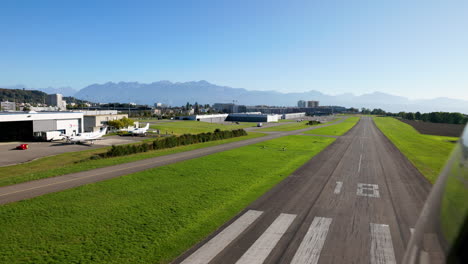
409 116
378 111
417 115
197 108
365 111
121 123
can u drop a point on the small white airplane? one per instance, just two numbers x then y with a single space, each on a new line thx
84 137
140 131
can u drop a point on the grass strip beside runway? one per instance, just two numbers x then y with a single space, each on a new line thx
195 127
79 161
336 129
150 216
285 127
291 126
427 153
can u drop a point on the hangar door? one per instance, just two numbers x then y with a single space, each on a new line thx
16 130
44 125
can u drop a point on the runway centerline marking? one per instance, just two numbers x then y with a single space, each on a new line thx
260 250
338 187
212 248
381 245
312 244
360 159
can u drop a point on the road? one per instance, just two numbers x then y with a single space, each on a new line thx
35 188
355 202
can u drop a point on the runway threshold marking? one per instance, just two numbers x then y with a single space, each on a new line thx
338 187
212 248
381 245
260 250
312 244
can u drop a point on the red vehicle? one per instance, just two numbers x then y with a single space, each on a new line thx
22 146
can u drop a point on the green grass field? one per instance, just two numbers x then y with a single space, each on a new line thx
73 161
428 153
285 127
336 129
151 216
290 126
195 127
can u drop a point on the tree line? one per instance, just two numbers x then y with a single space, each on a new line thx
433 117
171 142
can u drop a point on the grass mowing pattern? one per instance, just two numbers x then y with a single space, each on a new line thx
336 129
427 153
195 127
151 216
70 162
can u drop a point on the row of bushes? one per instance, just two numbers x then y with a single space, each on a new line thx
173 141
313 122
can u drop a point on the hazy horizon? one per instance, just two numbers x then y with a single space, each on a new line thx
20 86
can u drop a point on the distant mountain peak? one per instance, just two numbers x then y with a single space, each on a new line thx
202 91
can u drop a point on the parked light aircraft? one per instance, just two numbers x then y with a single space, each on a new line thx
140 131
84 137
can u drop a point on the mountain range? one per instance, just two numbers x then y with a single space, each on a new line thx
179 93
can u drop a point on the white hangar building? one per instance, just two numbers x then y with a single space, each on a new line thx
27 125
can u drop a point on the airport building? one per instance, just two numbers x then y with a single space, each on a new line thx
28 125
236 117
252 117
293 115
216 118
94 120
94 123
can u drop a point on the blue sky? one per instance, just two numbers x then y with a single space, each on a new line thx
417 49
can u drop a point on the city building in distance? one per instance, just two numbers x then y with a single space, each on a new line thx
301 103
312 104
56 100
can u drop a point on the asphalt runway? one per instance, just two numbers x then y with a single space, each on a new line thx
35 188
355 202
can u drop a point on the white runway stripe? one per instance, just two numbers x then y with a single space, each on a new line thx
260 250
312 244
338 187
212 248
360 159
381 245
